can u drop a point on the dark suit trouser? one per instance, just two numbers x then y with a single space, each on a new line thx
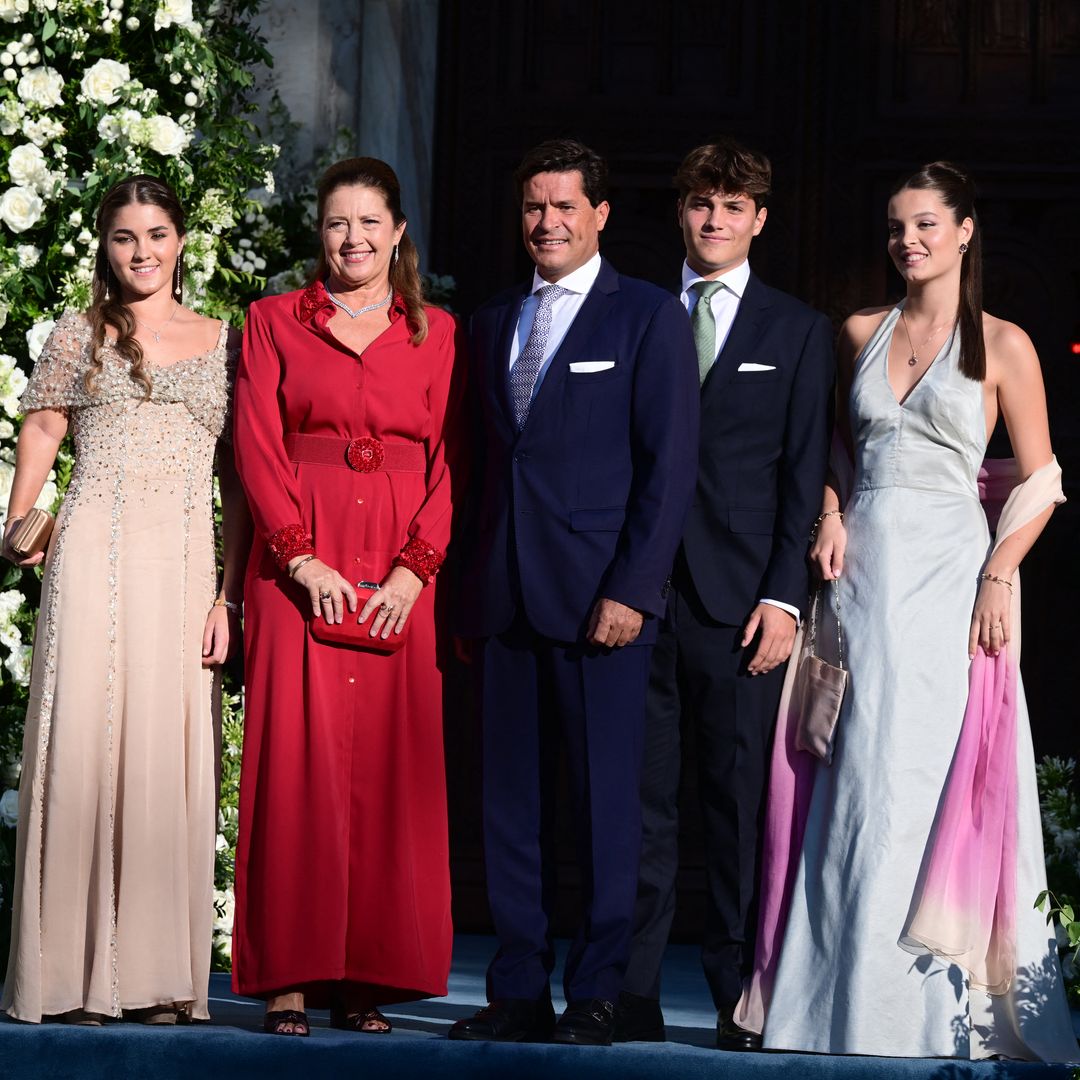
538 694
698 678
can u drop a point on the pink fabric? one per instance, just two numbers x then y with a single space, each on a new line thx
966 912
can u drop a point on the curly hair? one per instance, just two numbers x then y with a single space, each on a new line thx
728 166
107 307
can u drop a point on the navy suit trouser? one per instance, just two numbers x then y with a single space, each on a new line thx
699 680
538 696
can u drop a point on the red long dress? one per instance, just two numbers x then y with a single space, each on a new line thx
342 867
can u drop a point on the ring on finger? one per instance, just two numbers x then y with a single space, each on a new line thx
994 626
324 594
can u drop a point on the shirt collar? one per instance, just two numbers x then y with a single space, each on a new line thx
316 306
735 280
580 280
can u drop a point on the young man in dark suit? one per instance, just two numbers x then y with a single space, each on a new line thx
587 387
740 580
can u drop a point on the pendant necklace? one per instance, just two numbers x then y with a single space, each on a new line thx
913 359
359 311
157 333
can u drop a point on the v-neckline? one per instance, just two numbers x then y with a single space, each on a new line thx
901 403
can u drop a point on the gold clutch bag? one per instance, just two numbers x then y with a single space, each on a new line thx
32 533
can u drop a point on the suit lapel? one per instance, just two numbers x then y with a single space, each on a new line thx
500 359
742 338
591 313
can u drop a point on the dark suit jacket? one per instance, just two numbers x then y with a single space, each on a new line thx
763 454
590 499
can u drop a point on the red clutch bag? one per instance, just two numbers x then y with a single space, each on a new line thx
350 632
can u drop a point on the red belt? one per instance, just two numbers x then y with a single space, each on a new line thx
366 454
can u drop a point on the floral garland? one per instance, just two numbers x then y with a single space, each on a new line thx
92 91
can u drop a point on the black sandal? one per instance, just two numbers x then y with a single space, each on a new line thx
274 1022
346 1021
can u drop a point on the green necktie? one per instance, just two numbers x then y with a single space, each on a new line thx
704 325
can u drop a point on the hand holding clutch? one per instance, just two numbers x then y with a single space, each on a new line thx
28 536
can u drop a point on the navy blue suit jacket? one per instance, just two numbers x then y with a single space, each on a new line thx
590 499
764 450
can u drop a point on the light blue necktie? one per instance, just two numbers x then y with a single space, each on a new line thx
531 358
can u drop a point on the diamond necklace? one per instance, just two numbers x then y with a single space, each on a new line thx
157 333
359 311
914 358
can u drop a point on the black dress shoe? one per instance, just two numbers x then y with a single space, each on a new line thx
508 1020
586 1023
729 1036
638 1019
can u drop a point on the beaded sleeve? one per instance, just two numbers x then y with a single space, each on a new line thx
421 558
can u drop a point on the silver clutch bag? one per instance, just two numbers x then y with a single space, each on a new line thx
819 688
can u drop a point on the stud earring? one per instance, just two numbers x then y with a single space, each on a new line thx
963 249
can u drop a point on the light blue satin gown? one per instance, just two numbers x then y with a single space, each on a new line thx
917 541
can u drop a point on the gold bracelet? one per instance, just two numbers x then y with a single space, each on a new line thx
302 562
821 517
231 605
1000 580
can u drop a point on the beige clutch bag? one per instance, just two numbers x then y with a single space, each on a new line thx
819 689
32 533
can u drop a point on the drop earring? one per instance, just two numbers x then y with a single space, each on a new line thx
178 287
963 249
394 263
107 274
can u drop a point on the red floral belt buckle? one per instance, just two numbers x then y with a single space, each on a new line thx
365 454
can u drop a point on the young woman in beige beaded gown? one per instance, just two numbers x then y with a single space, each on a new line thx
117 799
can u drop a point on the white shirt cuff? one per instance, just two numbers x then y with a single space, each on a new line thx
792 611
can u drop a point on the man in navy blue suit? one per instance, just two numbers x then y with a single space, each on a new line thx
740 580
587 387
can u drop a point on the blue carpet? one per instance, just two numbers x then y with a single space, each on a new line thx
229 1048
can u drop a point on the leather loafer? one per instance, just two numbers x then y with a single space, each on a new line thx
586 1023
729 1036
508 1020
638 1019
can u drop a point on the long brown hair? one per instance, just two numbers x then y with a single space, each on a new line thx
957 191
106 307
405 273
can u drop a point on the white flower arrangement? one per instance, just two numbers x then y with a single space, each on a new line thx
103 81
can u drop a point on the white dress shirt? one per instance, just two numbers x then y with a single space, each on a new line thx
563 312
724 304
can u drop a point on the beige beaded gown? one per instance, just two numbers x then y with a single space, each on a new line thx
115 853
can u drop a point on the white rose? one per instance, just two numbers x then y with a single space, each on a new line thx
18 663
9 808
173 11
41 87
7 474
13 10
20 208
4 309
103 81
7 429
47 497
36 337
27 166
165 135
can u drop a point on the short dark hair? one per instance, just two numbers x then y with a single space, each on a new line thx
728 166
565 155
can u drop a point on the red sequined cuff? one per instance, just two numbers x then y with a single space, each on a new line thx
421 558
289 542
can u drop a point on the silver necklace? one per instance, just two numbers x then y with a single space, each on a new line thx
157 333
359 311
913 359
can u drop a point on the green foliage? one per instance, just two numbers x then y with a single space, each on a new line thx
1061 838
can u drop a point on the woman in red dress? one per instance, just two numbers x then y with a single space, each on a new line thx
347 424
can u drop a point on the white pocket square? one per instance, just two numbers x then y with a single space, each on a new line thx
580 367
757 367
